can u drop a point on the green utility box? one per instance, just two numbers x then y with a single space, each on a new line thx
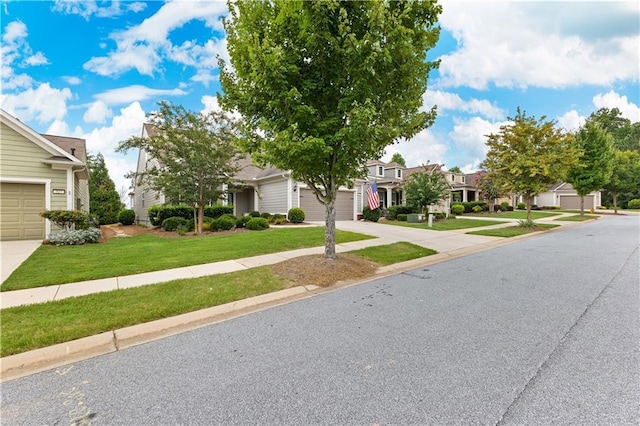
415 218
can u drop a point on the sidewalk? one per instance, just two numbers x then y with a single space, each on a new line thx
450 243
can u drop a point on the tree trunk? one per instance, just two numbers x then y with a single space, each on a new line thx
330 229
200 219
615 202
581 205
528 201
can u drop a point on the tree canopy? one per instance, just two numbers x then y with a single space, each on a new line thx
398 158
625 175
528 155
104 200
487 189
325 86
196 155
426 187
595 163
455 169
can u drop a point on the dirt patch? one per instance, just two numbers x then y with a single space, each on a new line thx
117 230
317 270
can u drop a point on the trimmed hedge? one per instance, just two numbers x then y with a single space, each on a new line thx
371 215
68 219
127 217
402 217
157 214
633 204
258 224
469 205
172 223
242 221
457 209
296 215
76 237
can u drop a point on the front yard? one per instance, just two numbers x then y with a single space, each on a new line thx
516 214
446 224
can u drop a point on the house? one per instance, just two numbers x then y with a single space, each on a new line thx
38 172
564 196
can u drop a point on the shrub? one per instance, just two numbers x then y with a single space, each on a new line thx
457 209
190 225
551 207
405 209
496 208
509 208
217 210
254 214
75 237
206 226
154 215
225 222
521 206
633 204
526 223
602 207
242 221
182 230
278 219
440 216
469 205
127 217
171 223
296 215
477 209
370 215
402 217
392 213
258 224
535 207
504 206
229 216
68 219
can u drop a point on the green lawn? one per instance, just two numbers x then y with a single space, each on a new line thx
24 328
145 253
511 231
446 224
516 214
394 253
576 218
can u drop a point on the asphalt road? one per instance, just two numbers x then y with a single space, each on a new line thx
543 331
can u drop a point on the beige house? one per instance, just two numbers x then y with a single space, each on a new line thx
38 172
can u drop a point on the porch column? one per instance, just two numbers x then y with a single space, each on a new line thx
464 195
389 196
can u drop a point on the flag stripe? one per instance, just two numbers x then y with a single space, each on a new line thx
373 199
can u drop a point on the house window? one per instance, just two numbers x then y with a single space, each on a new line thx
399 173
463 179
380 171
453 178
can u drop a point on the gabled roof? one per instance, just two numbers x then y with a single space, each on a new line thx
249 172
75 146
44 143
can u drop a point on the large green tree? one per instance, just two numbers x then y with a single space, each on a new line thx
426 187
595 163
398 158
528 155
325 86
196 154
625 176
487 188
104 201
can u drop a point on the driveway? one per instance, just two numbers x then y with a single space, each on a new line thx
13 253
542 331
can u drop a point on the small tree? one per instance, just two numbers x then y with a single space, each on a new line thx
529 155
487 189
196 152
425 188
455 169
397 158
325 86
625 175
595 162
104 200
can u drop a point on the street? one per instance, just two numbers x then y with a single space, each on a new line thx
542 331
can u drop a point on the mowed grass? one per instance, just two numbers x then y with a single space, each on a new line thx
516 214
30 327
394 253
446 224
25 328
145 253
576 218
512 231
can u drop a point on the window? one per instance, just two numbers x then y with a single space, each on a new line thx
463 179
380 171
453 178
399 173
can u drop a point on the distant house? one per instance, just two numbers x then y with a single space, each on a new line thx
563 195
38 172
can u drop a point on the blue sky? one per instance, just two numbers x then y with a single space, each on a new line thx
93 69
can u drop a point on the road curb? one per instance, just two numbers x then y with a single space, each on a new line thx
38 360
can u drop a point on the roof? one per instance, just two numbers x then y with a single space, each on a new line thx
249 171
74 146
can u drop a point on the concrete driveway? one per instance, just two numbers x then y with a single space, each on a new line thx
13 253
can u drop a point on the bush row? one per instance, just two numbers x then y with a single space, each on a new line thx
157 214
74 237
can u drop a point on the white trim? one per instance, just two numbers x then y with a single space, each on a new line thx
70 185
47 194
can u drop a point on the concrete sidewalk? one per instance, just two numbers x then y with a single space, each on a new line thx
448 243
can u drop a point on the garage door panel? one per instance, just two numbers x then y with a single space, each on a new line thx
21 205
315 211
572 202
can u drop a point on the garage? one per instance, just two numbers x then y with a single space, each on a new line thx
315 211
21 206
572 202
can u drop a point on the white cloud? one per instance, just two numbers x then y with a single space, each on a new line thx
571 121
141 57
60 127
134 93
37 59
87 8
470 137
612 99
522 44
424 148
74 81
14 31
448 100
97 112
210 103
42 104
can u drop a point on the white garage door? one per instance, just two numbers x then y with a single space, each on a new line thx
572 202
20 207
315 211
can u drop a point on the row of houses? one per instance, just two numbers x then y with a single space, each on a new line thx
46 172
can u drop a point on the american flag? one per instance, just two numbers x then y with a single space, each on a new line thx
373 199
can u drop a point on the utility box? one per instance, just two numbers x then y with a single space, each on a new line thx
415 218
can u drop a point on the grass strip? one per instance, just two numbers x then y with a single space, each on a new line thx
576 218
446 224
24 328
50 265
393 253
516 214
512 231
